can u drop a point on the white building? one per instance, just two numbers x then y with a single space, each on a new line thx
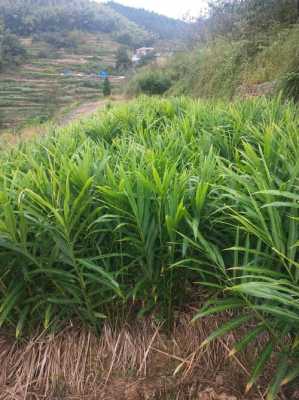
143 51
140 53
135 59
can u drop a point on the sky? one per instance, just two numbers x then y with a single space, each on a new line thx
171 8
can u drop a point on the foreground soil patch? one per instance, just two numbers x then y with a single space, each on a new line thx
137 362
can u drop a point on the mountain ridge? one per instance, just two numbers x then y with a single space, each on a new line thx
165 27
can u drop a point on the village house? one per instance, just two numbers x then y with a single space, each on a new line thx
140 53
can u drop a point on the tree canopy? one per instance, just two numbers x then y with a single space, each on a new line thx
160 25
28 17
12 52
246 18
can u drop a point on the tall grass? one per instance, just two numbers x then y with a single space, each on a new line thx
151 205
218 68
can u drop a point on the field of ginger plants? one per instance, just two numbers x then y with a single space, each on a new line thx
154 205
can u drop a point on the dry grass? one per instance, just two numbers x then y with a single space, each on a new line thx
137 362
27 133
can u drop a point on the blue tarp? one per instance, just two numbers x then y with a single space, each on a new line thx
103 74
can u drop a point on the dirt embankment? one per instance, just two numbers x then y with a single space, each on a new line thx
246 91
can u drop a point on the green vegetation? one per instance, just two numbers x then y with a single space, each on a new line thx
123 60
106 87
29 17
12 52
218 69
61 40
150 81
239 43
248 19
290 85
148 59
160 26
153 204
159 203
51 52
54 79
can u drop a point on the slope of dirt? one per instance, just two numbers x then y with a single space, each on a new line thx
246 91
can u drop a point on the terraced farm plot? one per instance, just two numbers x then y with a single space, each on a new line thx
41 87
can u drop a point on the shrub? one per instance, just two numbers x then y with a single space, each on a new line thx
106 87
12 52
150 82
211 71
60 40
289 85
44 54
92 84
123 60
147 59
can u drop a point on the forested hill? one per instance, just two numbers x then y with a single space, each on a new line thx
51 52
165 27
33 17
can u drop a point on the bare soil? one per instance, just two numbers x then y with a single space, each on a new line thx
139 361
246 91
87 109
84 110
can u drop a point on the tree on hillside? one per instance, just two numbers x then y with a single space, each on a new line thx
12 52
106 88
29 17
147 59
123 61
59 40
247 18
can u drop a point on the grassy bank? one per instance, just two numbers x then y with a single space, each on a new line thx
219 68
153 205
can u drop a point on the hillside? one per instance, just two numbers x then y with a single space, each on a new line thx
242 48
29 17
53 79
51 52
224 69
161 26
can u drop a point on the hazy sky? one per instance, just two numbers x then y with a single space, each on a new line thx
172 8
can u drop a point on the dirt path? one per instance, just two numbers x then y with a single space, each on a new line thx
84 110
87 109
